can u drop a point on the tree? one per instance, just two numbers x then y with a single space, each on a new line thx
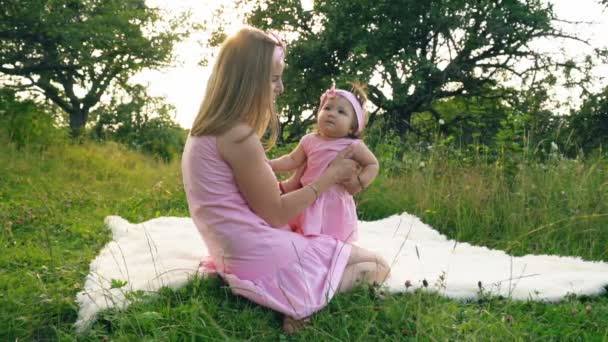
72 51
420 51
141 122
28 122
588 127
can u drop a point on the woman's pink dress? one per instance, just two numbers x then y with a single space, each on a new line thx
334 213
274 267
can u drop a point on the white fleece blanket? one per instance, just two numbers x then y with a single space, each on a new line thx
166 251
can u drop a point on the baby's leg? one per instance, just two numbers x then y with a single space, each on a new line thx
363 267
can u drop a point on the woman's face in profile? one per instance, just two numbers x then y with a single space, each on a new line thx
277 77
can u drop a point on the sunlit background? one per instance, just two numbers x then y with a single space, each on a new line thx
183 85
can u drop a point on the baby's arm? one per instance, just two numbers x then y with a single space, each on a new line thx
290 161
369 169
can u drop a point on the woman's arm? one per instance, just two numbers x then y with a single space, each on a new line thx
293 182
369 169
290 161
244 153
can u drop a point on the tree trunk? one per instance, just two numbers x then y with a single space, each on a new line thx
400 119
78 119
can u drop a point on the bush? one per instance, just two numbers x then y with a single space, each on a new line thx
28 123
143 123
588 127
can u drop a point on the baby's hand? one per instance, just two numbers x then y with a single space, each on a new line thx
272 163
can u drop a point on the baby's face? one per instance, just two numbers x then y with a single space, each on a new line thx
335 119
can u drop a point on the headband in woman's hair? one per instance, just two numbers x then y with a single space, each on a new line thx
332 92
279 50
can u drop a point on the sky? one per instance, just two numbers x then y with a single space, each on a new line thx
183 84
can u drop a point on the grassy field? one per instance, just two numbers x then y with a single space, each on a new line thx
52 206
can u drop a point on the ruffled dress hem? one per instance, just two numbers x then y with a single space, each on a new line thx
295 288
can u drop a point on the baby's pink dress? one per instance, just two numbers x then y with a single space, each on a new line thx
334 213
274 267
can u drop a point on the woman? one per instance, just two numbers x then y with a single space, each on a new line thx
236 204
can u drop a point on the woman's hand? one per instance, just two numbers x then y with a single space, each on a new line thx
342 168
352 185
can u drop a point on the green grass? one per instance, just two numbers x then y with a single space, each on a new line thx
560 207
52 206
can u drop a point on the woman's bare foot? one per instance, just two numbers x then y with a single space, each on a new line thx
290 325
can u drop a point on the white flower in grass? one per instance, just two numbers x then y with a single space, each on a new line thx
554 146
441 122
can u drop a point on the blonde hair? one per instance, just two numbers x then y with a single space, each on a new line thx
360 92
239 88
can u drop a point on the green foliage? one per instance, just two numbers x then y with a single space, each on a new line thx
555 207
142 122
159 136
474 129
471 121
419 52
52 206
588 127
387 146
75 50
28 123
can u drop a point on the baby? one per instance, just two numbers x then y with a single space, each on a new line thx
340 123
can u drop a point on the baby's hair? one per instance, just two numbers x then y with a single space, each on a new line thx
360 92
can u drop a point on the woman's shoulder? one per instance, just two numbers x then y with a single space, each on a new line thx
199 140
239 141
238 133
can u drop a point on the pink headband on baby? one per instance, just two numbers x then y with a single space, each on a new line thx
332 92
279 51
